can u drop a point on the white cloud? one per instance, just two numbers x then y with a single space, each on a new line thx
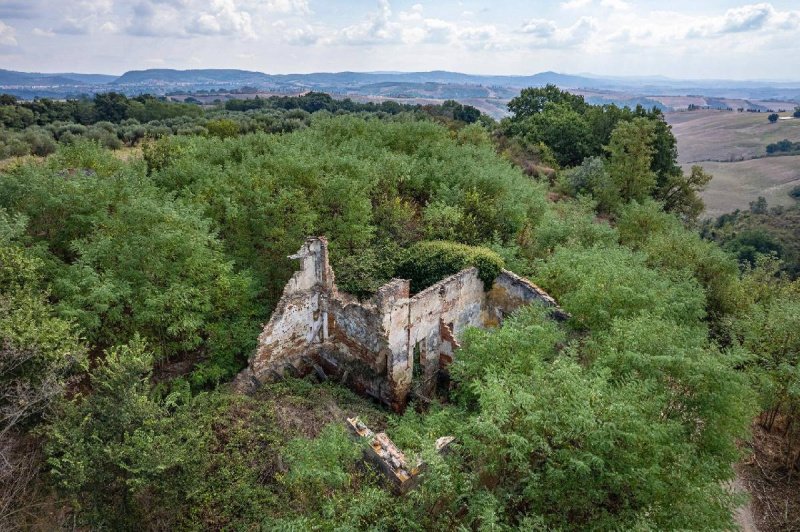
576 4
619 5
7 35
301 36
73 26
222 18
184 18
749 18
540 28
287 6
547 34
39 32
376 29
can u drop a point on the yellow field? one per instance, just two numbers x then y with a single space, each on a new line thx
731 146
735 185
728 136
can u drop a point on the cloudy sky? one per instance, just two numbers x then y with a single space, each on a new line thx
678 38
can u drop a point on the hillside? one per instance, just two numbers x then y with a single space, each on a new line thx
725 136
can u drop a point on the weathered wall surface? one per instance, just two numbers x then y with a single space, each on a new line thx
455 302
297 322
389 346
510 292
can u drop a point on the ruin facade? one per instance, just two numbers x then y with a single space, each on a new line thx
388 346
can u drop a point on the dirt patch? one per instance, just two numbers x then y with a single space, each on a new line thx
774 490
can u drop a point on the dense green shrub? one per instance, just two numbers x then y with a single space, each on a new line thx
427 263
167 265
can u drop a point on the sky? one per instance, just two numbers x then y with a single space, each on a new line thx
699 39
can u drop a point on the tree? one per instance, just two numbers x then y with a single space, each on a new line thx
681 193
538 442
532 101
111 106
759 206
561 128
111 449
773 117
223 128
796 113
39 356
630 158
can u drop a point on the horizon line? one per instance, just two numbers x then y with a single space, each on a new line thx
400 72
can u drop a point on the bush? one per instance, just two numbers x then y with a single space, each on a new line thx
429 262
222 128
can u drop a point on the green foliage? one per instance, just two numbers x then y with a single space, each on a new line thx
597 285
116 448
770 332
748 245
642 150
556 443
322 465
39 352
670 246
784 146
361 183
532 101
562 129
680 193
124 258
570 224
223 128
759 206
773 117
630 159
750 234
427 263
625 418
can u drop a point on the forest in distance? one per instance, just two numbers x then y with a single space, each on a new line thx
144 243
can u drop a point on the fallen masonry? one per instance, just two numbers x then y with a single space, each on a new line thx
382 452
389 347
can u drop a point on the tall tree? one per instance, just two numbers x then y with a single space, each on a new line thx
630 159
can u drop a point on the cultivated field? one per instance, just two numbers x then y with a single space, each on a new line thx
735 185
731 146
726 135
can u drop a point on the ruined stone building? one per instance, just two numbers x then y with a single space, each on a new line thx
386 347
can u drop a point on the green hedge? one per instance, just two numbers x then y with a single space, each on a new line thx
429 262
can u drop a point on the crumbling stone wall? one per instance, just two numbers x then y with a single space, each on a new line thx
387 347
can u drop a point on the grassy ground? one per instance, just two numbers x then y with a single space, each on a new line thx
727 136
735 185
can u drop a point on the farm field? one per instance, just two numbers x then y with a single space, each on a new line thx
735 185
727 136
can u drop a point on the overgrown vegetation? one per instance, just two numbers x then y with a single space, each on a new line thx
38 127
162 267
761 231
429 262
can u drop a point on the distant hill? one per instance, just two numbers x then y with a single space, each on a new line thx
350 78
201 76
495 90
11 77
90 79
